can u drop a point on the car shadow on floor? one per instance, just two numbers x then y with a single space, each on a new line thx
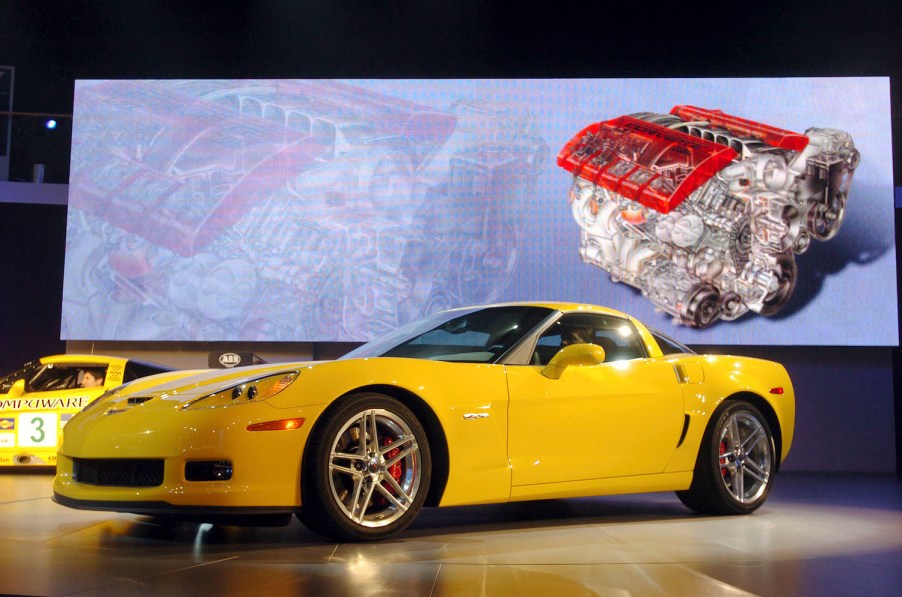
239 535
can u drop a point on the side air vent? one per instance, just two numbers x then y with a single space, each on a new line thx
684 431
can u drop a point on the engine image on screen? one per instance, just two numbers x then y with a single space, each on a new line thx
705 212
286 210
299 210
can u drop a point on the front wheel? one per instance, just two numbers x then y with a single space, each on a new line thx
736 463
366 470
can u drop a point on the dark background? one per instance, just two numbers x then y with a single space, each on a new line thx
52 43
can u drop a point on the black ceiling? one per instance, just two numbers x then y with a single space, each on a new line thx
52 43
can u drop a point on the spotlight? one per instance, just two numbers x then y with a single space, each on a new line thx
50 124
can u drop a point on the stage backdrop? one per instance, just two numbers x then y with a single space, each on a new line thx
308 210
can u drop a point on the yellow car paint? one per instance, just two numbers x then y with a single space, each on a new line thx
509 432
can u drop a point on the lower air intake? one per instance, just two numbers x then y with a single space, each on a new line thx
118 472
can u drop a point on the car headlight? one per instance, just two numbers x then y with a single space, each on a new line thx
257 390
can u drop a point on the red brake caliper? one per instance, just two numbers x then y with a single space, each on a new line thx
394 470
723 460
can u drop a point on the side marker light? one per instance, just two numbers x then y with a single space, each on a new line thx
777 391
283 425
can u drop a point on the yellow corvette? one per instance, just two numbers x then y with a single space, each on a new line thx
37 400
479 405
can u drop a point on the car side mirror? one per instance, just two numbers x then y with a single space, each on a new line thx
17 389
575 355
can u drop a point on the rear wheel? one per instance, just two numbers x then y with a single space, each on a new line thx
366 470
736 463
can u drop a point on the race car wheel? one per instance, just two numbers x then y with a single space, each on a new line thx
366 470
736 463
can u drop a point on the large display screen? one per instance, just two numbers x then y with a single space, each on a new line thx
720 211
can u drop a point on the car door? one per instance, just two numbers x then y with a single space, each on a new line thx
619 418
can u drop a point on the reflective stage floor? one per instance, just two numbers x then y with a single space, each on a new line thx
817 535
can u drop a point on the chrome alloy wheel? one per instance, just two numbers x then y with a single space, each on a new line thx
745 457
375 468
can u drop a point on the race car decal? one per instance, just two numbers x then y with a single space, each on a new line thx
38 430
44 403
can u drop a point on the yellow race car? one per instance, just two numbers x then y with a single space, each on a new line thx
479 405
40 398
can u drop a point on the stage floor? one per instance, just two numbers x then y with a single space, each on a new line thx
817 535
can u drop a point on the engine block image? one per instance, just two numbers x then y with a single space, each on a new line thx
704 212
287 210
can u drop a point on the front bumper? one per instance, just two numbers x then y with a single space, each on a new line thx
266 465
151 508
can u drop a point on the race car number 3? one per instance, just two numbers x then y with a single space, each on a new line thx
37 429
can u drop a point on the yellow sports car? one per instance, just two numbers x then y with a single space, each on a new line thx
478 405
37 400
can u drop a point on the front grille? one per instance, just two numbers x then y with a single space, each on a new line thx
118 472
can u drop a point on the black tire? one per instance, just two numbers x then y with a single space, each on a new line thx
736 463
357 487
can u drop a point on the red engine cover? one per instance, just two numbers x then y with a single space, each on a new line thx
654 165
740 126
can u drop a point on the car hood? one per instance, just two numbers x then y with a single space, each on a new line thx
180 387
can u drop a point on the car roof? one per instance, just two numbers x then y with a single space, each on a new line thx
564 306
96 359
63 359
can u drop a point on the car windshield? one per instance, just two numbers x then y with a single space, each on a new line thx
473 335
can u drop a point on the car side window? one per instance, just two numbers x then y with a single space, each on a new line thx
52 377
617 336
668 345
